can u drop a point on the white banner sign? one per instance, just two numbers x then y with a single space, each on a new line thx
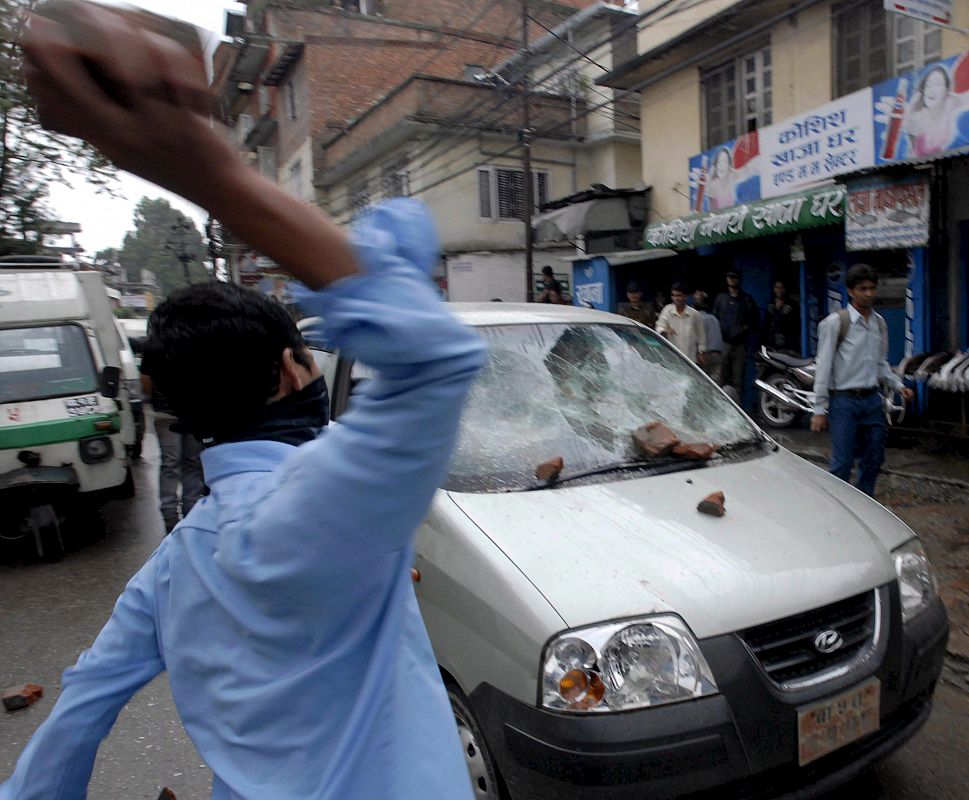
831 140
883 215
937 11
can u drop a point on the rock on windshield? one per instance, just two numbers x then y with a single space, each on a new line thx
579 391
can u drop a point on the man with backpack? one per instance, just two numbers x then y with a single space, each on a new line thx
852 367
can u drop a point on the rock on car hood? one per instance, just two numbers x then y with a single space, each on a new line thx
794 538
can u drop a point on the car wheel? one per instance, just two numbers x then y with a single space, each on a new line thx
485 783
773 411
46 528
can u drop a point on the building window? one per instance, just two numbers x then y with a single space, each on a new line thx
292 107
267 161
501 192
368 7
738 96
872 44
294 179
244 127
395 180
359 197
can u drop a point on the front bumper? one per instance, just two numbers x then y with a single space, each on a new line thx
738 745
23 485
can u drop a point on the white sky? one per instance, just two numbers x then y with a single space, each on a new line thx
104 220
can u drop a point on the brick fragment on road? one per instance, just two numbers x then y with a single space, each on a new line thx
713 504
655 440
17 697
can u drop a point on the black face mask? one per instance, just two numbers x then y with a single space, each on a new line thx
297 418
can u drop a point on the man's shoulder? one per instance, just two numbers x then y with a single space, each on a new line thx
831 322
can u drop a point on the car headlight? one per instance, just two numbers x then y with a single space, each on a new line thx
916 581
619 666
96 449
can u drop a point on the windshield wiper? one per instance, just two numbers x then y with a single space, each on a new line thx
656 466
746 444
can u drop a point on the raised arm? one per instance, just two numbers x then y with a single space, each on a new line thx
359 492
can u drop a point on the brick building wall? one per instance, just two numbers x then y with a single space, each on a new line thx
350 61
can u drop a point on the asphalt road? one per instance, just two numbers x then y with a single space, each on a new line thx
49 613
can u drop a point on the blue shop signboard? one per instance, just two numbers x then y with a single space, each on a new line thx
592 284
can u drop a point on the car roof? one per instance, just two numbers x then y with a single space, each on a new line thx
530 313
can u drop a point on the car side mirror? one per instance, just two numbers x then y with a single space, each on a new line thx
110 381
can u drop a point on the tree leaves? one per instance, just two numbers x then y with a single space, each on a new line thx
162 234
30 157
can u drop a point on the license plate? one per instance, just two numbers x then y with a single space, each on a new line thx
837 721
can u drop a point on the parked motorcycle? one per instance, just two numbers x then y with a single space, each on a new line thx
786 386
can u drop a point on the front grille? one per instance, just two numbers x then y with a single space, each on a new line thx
786 649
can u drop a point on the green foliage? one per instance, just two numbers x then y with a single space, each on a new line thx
161 235
30 157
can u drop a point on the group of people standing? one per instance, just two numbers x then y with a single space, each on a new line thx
851 370
716 335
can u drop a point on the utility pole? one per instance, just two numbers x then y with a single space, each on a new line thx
179 246
527 156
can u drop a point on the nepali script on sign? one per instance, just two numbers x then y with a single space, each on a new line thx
805 210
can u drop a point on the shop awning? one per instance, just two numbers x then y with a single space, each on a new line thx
620 257
571 222
811 208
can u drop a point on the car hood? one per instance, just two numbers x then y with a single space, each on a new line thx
793 538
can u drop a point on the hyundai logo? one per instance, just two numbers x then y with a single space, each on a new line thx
828 641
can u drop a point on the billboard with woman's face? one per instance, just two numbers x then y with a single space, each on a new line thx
922 114
917 116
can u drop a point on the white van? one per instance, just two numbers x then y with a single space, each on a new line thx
66 422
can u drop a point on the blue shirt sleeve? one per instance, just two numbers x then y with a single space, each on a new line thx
57 763
362 488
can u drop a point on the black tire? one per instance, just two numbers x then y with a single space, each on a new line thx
772 411
485 781
46 529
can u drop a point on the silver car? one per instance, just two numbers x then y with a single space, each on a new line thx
602 638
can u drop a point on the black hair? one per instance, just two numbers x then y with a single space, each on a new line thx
679 287
547 270
216 351
859 273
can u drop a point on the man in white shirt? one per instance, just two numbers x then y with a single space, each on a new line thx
683 325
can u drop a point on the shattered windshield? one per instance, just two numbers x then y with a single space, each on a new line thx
579 391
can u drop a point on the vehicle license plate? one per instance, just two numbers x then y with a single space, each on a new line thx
837 721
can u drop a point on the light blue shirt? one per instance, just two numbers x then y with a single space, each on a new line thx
282 607
712 335
860 362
